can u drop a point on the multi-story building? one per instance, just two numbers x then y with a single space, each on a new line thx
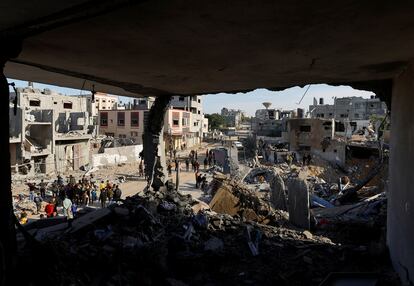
143 103
104 101
123 123
348 108
272 122
184 122
233 117
49 131
177 134
193 104
317 136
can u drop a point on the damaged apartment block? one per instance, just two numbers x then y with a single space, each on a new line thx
49 132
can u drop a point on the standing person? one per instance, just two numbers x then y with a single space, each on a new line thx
72 180
55 189
62 194
103 197
92 179
141 169
117 193
42 187
67 211
38 201
60 180
196 178
88 194
209 160
207 153
196 155
101 186
31 191
74 209
110 193
175 153
93 194
197 166
187 164
205 163
304 159
169 168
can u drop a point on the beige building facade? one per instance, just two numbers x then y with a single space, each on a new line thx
122 123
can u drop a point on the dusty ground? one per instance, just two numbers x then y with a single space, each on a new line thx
133 183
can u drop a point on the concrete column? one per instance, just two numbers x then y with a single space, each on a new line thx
400 225
9 48
154 155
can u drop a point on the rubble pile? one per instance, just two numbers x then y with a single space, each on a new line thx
234 198
166 238
25 205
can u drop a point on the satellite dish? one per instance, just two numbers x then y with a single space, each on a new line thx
267 104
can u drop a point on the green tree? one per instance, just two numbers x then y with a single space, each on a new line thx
216 121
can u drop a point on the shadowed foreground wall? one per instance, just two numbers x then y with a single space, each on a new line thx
401 189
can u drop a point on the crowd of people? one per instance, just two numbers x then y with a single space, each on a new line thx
192 160
70 195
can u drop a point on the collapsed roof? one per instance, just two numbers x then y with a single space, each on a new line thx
140 48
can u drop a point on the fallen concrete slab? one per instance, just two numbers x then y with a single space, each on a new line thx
299 214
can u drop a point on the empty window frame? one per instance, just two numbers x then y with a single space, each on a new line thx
134 119
34 102
67 105
305 128
121 118
104 118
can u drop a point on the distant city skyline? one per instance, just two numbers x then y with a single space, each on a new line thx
248 102
287 99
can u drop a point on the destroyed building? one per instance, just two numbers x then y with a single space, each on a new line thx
234 117
348 108
49 132
271 122
316 136
164 48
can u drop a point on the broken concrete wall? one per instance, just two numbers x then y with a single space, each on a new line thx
307 133
334 153
400 234
71 156
112 156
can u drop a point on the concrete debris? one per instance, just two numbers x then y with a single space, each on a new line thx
235 199
299 214
158 238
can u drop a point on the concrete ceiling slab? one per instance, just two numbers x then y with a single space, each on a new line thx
196 47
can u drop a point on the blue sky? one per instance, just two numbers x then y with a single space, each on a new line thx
250 101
